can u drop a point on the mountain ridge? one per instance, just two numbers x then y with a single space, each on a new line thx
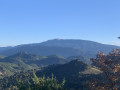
62 47
23 61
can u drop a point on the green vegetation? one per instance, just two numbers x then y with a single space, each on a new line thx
76 74
42 84
23 61
35 83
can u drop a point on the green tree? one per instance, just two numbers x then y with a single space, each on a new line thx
42 83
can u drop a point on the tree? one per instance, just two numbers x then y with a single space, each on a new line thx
109 65
42 83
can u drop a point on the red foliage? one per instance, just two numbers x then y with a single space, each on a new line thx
109 65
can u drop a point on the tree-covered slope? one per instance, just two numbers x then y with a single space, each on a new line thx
24 61
75 73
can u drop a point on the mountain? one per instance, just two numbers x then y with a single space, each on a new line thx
76 73
62 47
75 67
24 61
4 48
82 58
24 57
34 59
15 63
51 60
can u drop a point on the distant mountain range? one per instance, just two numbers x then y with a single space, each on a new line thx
4 48
62 47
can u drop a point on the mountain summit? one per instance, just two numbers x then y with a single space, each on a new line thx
62 47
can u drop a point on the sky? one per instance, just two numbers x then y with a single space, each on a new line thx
34 21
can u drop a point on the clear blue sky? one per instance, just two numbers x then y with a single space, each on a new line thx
33 21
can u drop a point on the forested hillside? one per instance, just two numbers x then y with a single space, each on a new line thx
23 61
75 73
